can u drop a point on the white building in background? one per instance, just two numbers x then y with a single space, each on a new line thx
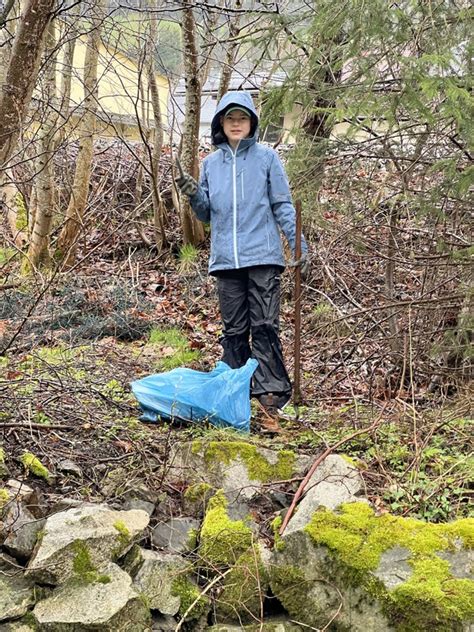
279 130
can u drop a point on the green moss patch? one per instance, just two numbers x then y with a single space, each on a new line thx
34 465
189 593
259 469
84 569
244 589
174 348
289 583
4 497
222 540
431 596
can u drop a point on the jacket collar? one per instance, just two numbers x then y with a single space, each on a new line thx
245 143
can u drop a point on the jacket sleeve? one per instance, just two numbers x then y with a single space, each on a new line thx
200 200
282 206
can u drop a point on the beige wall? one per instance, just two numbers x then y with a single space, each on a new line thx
119 96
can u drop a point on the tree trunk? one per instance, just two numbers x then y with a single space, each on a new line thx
193 231
230 56
67 64
21 74
38 251
71 231
158 206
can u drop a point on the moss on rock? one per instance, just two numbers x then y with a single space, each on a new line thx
84 569
289 582
198 492
258 467
189 592
431 597
222 540
279 542
34 465
4 497
244 589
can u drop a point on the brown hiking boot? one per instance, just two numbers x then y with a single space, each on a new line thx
270 425
268 406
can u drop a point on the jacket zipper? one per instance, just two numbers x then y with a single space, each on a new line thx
234 200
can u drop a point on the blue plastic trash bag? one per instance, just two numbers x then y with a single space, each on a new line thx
221 397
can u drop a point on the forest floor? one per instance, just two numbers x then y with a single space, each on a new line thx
76 342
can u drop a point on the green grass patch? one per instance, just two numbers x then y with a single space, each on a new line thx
188 256
173 347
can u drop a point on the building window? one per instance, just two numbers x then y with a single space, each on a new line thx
272 133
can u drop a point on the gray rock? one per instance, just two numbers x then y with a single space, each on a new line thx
353 570
220 465
178 535
22 530
393 568
16 595
461 562
103 534
333 483
143 492
20 490
137 503
109 605
69 467
313 589
153 574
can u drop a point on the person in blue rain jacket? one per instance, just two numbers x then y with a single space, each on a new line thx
243 193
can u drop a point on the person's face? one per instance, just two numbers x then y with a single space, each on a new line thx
236 126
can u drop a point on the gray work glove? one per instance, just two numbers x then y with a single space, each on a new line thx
303 264
186 184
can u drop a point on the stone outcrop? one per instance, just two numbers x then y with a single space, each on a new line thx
335 481
93 532
237 467
368 573
16 592
177 535
21 528
337 566
109 603
153 575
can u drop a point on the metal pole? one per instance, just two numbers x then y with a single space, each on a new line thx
296 387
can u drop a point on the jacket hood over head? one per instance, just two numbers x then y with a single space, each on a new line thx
231 99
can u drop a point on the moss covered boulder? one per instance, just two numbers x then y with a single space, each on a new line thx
109 603
245 587
222 540
166 583
239 468
85 536
376 573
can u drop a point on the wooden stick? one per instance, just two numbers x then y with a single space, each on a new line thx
297 372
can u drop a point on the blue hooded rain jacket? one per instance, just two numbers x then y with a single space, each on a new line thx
245 196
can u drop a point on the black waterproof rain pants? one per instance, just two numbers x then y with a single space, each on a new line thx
249 300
